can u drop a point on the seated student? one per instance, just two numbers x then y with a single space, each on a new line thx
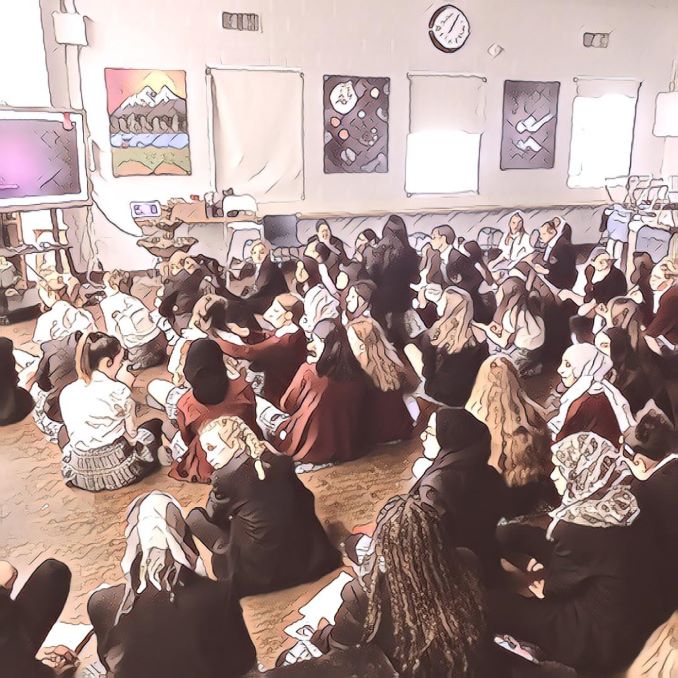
260 521
590 402
350 273
641 290
16 403
518 328
329 270
363 241
514 246
628 374
559 267
259 280
64 285
387 416
651 452
104 446
26 620
465 273
521 442
168 619
215 392
449 355
598 281
55 371
436 257
306 276
595 604
319 305
180 293
324 406
130 321
625 313
61 319
280 353
456 479
336 246
661 334
393 265
357 301
417 598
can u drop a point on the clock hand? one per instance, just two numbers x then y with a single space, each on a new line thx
454 23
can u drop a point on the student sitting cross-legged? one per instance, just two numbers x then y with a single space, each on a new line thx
260 521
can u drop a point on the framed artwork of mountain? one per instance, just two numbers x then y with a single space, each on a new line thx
148 122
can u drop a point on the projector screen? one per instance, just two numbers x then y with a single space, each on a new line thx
42 159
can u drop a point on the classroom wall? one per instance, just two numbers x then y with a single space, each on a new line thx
541 41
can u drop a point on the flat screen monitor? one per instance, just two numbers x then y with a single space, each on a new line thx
281 230
42 159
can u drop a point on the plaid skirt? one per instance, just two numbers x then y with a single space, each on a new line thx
113 466
149 354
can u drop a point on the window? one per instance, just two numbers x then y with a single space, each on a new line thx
603 118
447 115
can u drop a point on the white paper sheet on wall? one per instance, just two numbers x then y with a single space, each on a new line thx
257 129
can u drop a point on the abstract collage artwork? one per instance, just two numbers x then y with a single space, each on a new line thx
356 124
528 139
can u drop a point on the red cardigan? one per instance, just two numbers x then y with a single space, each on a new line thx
192 416
327 418
278 358
591 413
665 322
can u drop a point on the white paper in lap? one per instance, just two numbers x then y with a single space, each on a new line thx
70 635
257 125
324 604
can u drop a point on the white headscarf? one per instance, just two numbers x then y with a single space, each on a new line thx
597 492
155 530
590 367
319 305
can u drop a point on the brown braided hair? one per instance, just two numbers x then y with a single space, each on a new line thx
435 601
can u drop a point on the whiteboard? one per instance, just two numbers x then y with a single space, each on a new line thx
42 159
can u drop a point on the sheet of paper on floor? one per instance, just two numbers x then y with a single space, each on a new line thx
324 604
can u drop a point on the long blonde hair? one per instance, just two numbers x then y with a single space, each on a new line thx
520 447
379 360
236 433
452 332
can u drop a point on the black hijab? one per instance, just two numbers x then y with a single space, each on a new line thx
8 376
458 430
206 373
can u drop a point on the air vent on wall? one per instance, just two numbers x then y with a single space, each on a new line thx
601 40
240 22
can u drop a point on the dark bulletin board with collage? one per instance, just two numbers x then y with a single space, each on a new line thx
356 124
528 139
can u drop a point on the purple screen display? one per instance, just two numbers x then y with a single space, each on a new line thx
38 158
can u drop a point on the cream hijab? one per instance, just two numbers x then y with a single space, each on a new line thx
598 479
590 368
156 534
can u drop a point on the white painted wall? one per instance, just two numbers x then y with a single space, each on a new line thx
541 41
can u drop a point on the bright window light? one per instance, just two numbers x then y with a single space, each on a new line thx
602 140
442 162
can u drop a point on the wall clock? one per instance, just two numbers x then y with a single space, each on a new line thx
449 28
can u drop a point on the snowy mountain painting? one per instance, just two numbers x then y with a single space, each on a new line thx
148 122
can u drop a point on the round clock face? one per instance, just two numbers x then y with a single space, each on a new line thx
449 28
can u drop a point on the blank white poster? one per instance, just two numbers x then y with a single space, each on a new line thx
258 133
